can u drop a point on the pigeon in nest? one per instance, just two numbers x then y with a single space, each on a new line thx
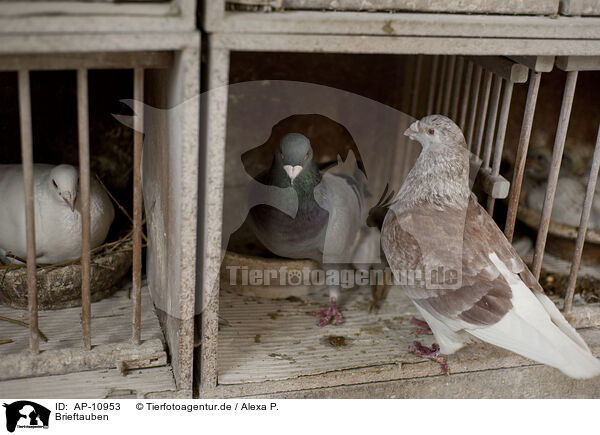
463 275
309 214
570 189
57 213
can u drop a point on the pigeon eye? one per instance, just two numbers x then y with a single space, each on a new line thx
430 131
55 185
306 156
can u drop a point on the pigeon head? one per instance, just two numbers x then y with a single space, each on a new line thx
294 153
436 131
64 180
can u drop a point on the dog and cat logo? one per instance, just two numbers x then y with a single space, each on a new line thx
26 414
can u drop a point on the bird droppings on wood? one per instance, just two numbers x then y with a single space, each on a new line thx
387 28
336 340
257 338
296 299
282 356
372 330
587 286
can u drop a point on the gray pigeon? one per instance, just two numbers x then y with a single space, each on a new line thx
57 213
463 275
570 189
306 213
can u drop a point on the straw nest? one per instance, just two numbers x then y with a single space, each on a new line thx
59 285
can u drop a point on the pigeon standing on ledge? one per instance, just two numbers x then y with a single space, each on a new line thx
307 214
57 213
481 288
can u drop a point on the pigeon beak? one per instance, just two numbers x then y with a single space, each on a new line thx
70 200
292 171
412 131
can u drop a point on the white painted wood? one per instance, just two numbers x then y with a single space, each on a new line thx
502 67
405 44
536 63
293 353
579 7
270 340
578 63
71 17
405 24
90 42
460 6
111 327
96 384
62 61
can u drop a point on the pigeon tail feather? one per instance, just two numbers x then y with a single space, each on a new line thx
536 331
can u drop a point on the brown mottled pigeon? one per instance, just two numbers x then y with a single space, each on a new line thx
461 272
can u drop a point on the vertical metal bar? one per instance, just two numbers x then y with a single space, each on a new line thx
583 225
482 113
491 121
432 83
460 65
27 161
465 97
559 144
473 104
440 93
519 170
448 85
500 135
138 125
416 87
84 201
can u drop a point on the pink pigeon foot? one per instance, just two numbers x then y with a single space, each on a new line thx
430 353
423 327
331 314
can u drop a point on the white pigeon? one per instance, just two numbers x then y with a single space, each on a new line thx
57 213
463 275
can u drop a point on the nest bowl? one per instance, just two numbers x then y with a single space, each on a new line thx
59 286
285 279
561 238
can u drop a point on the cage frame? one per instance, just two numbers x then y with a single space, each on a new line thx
164 63
62 17
351 32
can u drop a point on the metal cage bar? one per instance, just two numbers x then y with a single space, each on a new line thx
465 96
473 104
500 136
519 169
491 121
482 112
559 144
416 86
583 226
84 195
136 281
448 85
460 65
432 83
440 91
27 161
